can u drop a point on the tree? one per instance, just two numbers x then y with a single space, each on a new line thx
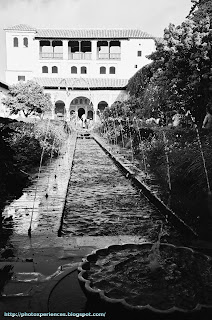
139 81
27 97
179 76
201 9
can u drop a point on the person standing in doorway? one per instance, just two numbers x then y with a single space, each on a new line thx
83 120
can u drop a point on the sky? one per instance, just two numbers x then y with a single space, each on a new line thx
152 16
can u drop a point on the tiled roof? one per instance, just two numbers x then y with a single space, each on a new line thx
95 33
21 27
82 83
4 85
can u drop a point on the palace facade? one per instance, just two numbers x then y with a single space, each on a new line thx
84 70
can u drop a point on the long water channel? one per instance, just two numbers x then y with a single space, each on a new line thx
102 202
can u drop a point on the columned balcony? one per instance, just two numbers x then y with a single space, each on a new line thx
80 49
109 50
51 49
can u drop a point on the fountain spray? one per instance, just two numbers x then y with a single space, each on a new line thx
154 255
201 151
167 161
142 147
39 171
128 122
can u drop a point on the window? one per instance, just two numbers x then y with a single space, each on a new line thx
136 66
83 70
73 69
81 101
44 69
54 69
102 70
21 78
25 41
15 42
139 53
112 70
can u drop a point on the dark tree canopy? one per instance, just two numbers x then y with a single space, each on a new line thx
201 9
139 81
180 74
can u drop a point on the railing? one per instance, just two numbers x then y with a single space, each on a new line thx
79 56
112 56
51 55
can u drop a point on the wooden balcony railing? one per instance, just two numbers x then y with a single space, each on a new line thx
79 56
51 55
107 56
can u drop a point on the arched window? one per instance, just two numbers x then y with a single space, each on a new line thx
73 69
15 42
102 70
102 105
83 70
25 41
54 69
112 70
44 69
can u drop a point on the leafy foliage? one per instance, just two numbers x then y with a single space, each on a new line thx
21 145
201 9
27 97
180 75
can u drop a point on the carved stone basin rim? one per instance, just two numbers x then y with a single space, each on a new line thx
94 293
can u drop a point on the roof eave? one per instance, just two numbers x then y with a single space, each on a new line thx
4 85
83 88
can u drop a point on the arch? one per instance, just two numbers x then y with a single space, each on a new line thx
112 70
81 101
25 42
83 70
15 42
60 109
102 105
54 69
102 70
45 69
73 69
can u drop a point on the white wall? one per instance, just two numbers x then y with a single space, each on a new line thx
21 59
125 67
3 111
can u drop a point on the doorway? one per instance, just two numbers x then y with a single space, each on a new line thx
81 111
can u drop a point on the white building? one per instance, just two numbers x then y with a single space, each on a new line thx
3 91
83 69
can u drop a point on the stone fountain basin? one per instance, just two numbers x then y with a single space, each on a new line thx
96 278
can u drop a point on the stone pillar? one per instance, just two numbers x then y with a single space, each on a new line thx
65 49
94 49
53 113
67 109
53 100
